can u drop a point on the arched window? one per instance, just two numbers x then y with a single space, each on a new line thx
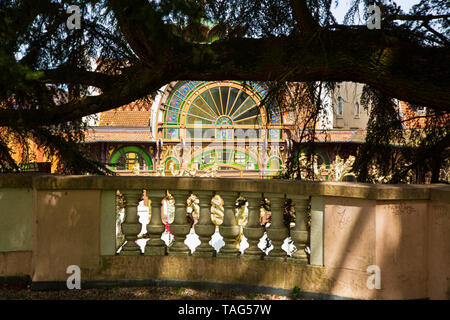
273 166
128 158
224 110
171 164
356 110
340 109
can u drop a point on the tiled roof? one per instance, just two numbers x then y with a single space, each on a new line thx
104 134
342 136
135 114
409 113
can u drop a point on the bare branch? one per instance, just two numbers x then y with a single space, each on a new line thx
443 38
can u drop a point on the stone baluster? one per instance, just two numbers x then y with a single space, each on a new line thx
229 229
155 246
253 231
277 231
131 226
204 228
299 233
180 227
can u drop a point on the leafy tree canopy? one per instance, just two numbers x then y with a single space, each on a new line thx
146 44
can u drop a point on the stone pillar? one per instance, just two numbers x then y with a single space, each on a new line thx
317 231
155 246
300 233
277 231
180 227
131 226
229 229
253 231
204 228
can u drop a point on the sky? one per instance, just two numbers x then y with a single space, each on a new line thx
342 9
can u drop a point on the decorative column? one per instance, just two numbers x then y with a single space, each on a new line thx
253 231
229 229
155 246
131 226
204 228
180 227
300 233
277 231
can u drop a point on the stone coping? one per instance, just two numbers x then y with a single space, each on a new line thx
436 192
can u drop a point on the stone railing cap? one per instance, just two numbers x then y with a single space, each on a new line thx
438 192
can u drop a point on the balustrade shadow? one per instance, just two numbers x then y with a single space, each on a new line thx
348 247
387 234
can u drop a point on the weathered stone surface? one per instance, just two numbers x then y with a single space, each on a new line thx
277 231
16 208
180 227
229 229
204 228
338 189
253 231
300 233
131 226
407 239
155 246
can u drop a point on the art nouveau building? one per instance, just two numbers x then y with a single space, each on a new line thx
207 128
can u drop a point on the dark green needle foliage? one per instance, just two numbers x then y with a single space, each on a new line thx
48 82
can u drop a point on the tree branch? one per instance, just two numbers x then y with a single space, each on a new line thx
79 76
303 17
406 17
397 68
441 37
120 93
141 26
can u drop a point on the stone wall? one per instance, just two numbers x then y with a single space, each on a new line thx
48 223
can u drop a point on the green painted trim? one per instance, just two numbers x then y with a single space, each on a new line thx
181 107
270 159
138 150
242 166
176 161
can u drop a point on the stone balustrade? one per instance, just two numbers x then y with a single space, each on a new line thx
49 222
277 231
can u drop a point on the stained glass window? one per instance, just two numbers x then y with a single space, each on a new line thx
130 157
129 160
218 110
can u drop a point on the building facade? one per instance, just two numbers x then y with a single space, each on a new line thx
211 128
